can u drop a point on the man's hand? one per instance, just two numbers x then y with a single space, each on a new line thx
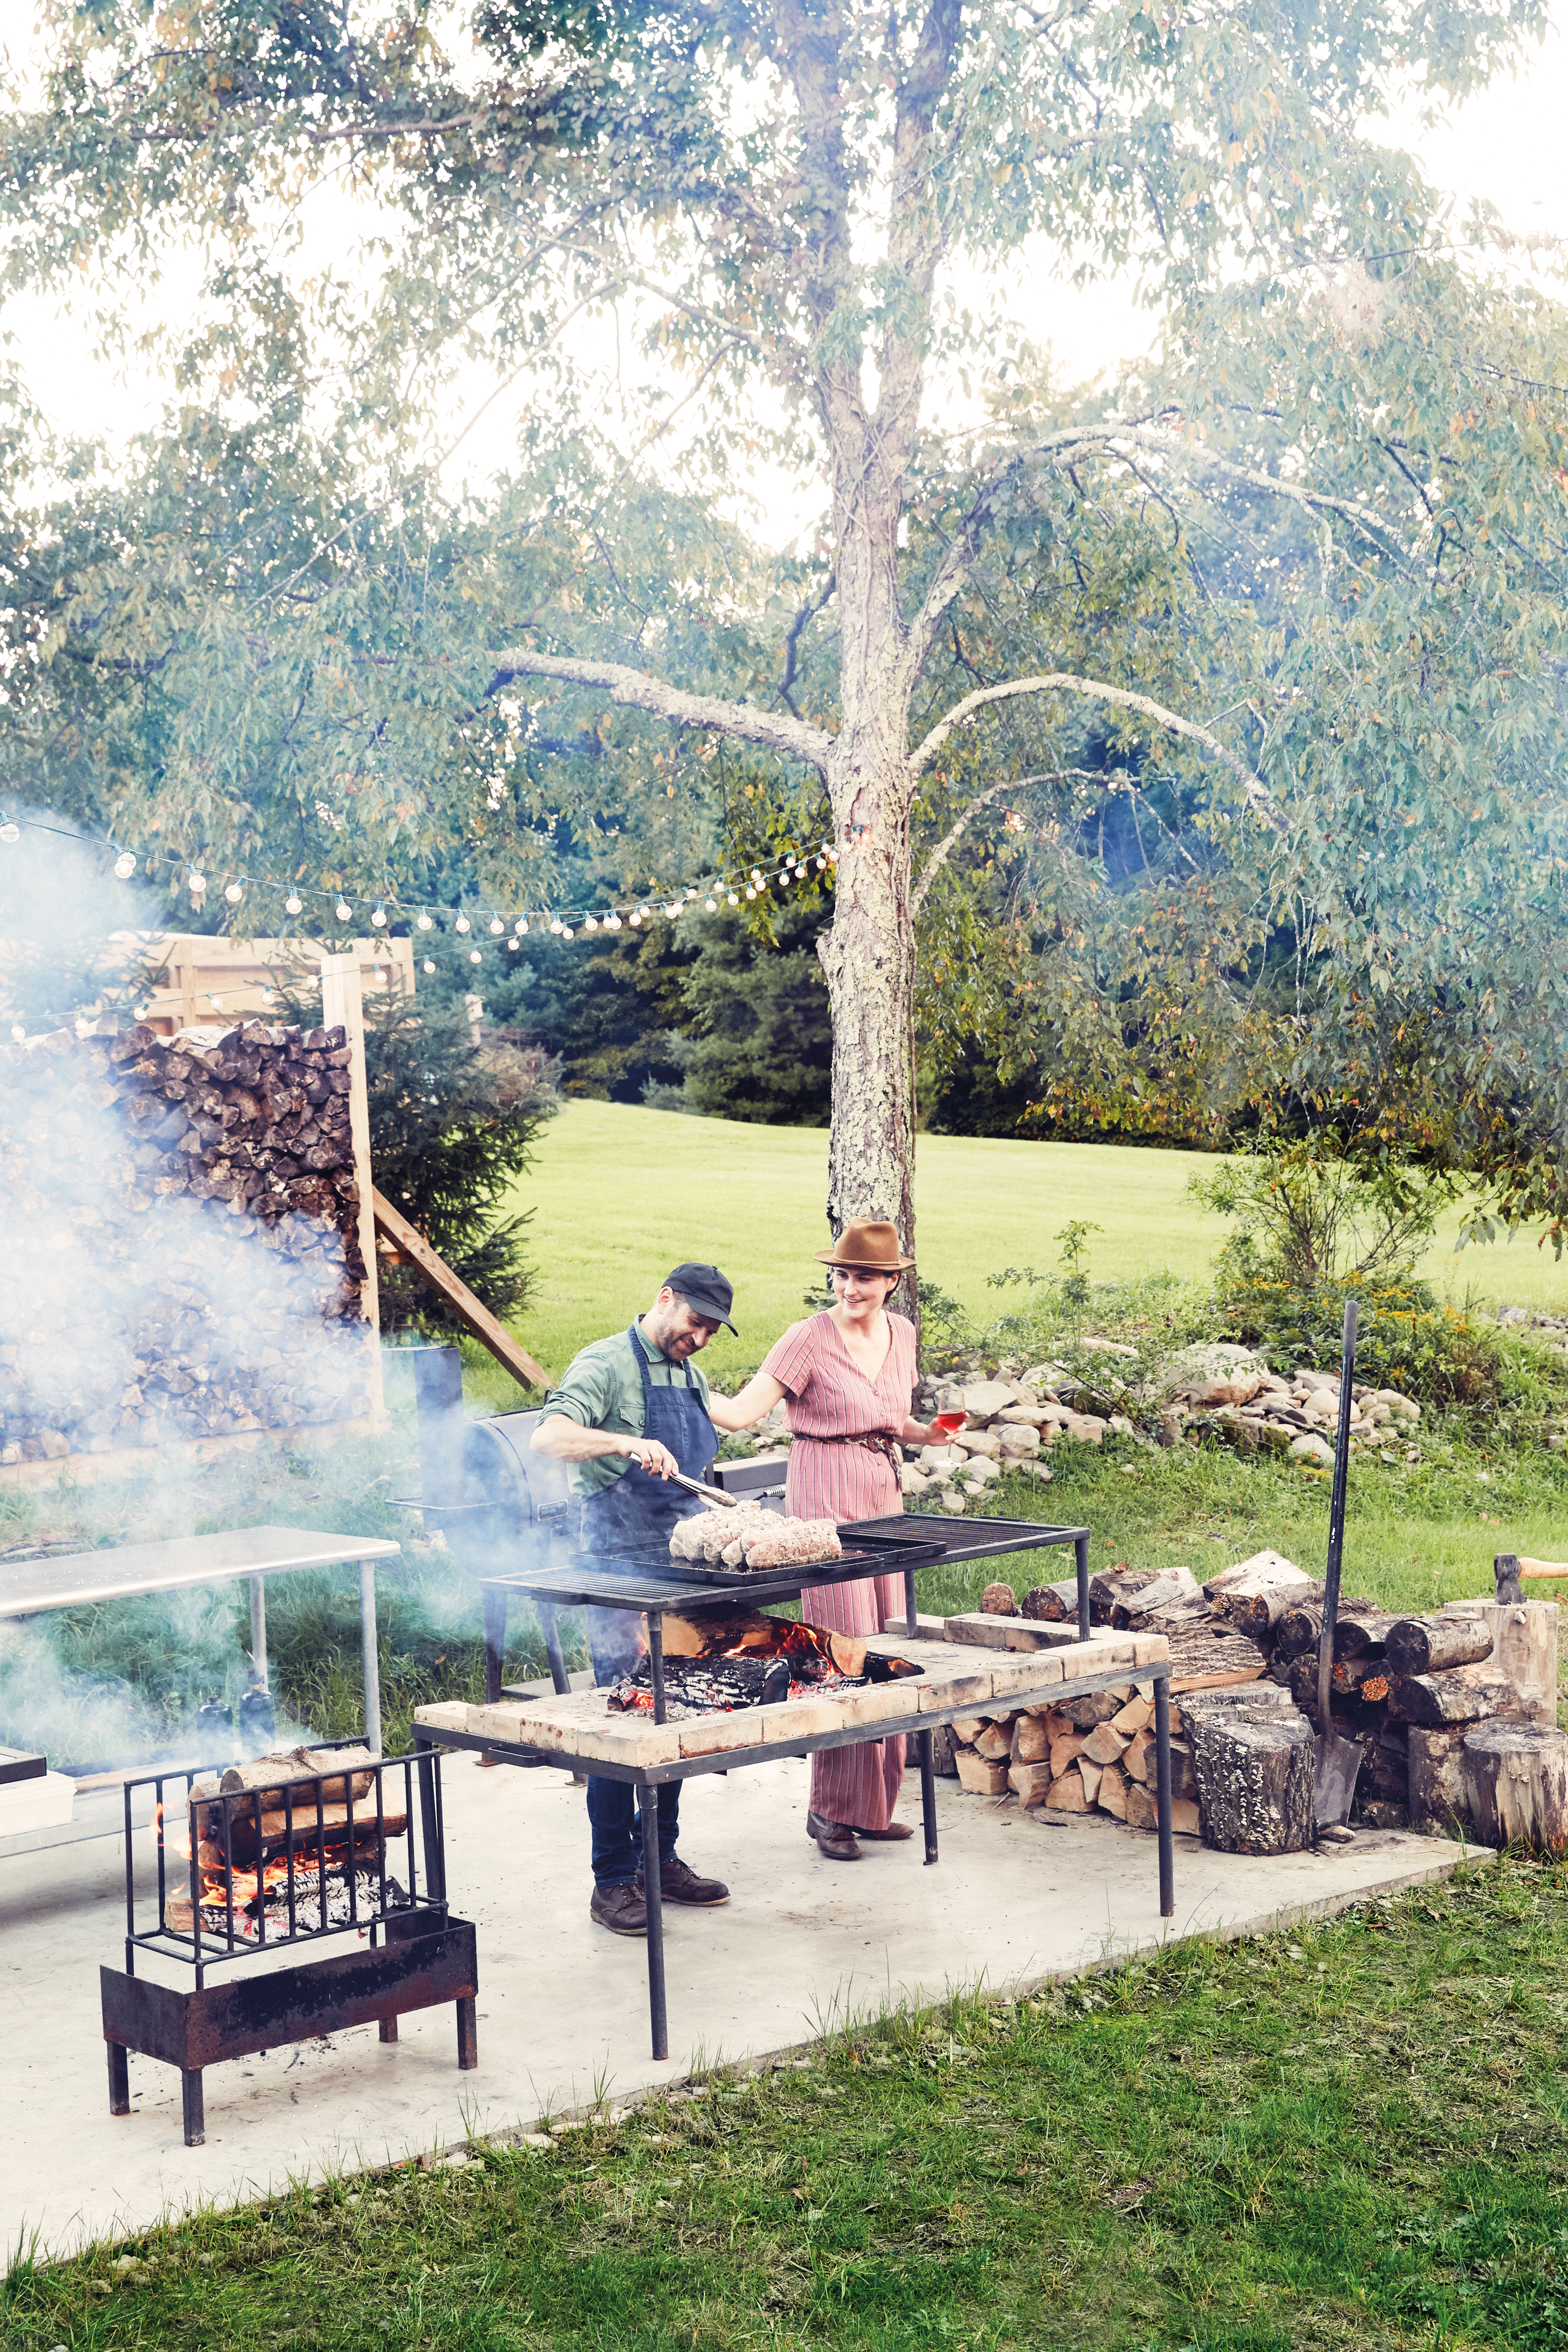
653 1456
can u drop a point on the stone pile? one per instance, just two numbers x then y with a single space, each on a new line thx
1008 1425
1251 1408
182 1222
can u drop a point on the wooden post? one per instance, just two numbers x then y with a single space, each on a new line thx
342 1005
1516 1781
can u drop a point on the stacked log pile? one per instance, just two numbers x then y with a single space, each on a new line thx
1084 1754
185 1259
1410 1691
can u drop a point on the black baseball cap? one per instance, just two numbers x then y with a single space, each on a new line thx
706 1291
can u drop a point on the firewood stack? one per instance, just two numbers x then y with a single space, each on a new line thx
186 1218
1094 1751
1408 1689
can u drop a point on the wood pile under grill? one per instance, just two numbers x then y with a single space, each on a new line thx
185 1260
1409 1690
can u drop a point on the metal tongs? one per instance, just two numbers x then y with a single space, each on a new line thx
715 1497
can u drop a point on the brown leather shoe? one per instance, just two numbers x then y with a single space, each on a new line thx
620 1909
893 1835
680 1884
835 1838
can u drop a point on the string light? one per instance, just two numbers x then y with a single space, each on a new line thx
18 1036
125 864
733 899
514 942
462 924
291 905
380 918
496 925
635 920
711 905
9 832
522 926
475 956
198 883
425 922
234 893
344 911
430 963
591 923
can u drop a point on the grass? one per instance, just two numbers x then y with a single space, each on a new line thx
620 1194
1351 2136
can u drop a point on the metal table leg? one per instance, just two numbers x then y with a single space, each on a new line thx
550 1631
653 1897
119 2079
494 1642
369 1654
258 1627
656 1660
909 1608
433 1843
1081 1558
1162 1793
928 1793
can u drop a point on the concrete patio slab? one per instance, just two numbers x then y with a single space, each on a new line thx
562 2005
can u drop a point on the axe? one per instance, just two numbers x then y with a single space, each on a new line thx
1509 1569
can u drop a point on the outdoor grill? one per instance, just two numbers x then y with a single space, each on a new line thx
355 1851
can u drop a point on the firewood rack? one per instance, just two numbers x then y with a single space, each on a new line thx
373 1870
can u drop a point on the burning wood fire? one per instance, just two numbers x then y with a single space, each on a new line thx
718 1663
268 1840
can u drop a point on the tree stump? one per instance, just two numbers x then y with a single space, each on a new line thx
1254 1763
1516 1785
1436 1780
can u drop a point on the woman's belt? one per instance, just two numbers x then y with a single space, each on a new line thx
874 1440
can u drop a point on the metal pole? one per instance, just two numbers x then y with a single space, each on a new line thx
654 1898
553 1650
495 1641
909 1608
656 1660
1081 1558
1162 1793
928 1793
369 1655
258 1627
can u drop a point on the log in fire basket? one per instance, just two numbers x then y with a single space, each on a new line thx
331 1843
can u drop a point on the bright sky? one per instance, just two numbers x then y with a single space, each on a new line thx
1505 144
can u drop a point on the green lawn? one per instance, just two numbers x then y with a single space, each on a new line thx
621 1194
1351 2138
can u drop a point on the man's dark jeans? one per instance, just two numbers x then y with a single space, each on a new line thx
614 1812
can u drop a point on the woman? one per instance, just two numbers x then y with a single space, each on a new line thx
849 1374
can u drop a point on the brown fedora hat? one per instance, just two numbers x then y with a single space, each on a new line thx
869 1245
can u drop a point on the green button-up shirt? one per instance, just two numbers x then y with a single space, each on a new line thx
603 1390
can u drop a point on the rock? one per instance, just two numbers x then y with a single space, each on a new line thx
1310 1447
984 1400
1232 1391
1110 1347
1016 1438
1000 1600
1209 1360
943 1459
1041 1376
913 1481
952 1502
981 1472
1085 1429
1400 1407
977 1442
1122 1425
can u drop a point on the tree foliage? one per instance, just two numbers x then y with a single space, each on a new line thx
1195 745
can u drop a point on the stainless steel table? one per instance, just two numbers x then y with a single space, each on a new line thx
77 1579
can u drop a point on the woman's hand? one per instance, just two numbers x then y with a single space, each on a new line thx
760 1395
920 1432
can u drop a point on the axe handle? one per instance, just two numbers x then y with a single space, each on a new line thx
1543 1568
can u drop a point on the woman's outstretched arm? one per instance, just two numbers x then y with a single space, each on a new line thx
761 1392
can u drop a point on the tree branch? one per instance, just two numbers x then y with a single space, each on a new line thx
950 839
1259 797
794 739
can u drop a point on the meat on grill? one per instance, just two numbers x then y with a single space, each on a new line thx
751 1538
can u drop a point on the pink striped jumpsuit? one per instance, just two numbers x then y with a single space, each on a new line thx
830 1396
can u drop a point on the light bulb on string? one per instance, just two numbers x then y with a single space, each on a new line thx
591 923
496 925
757 873
566 931
644 911
475 956
522 926
234 893
635 920
514 942
557 925
292 904
18 1035
380 918
462 924
690 892
198 883
711 905
750 891
425 922
125 864
430 963
733 899
820 863
345 913
10 831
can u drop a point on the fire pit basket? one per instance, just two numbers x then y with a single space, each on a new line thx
280 1869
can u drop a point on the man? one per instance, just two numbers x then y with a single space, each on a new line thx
630 1410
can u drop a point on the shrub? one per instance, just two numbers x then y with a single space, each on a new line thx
1407 1338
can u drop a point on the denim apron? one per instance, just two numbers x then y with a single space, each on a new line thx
639 1509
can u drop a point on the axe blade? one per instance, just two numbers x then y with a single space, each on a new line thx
1505 1568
